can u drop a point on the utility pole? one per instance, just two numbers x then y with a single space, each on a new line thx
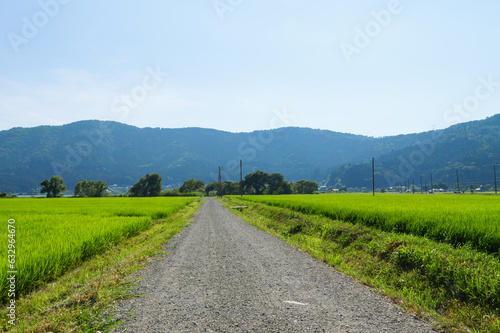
432 185
495 173
421 184
241 178
220 184
413 186
373 175
458 181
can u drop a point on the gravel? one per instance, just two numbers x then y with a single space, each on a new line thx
224 275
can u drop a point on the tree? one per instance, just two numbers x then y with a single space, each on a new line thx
147 186
211 187
260 182
343 188
257 181
3 195
92 188
230 187
306 187
54 187
192 185
278 185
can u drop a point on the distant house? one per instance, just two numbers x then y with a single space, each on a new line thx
322 189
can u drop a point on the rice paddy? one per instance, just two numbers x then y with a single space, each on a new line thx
459 220
53 236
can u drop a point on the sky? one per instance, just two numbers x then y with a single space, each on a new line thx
374 68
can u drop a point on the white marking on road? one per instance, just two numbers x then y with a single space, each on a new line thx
296 303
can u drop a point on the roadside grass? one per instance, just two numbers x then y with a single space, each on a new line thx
458 289
80 301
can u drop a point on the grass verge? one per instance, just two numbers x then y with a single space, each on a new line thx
80 300
458 289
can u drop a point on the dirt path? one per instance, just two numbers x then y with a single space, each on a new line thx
223 275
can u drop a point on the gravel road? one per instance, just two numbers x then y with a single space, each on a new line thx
224 275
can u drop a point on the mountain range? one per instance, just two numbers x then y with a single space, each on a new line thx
467 151
120 154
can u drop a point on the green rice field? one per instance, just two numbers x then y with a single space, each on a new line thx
53 236
455 219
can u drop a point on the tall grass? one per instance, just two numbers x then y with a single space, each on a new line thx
54 236
455 219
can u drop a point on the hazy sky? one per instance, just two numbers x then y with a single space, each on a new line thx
366 67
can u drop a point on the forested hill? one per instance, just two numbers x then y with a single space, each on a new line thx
471 148
121 154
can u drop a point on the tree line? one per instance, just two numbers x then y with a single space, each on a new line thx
55 188
258 182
